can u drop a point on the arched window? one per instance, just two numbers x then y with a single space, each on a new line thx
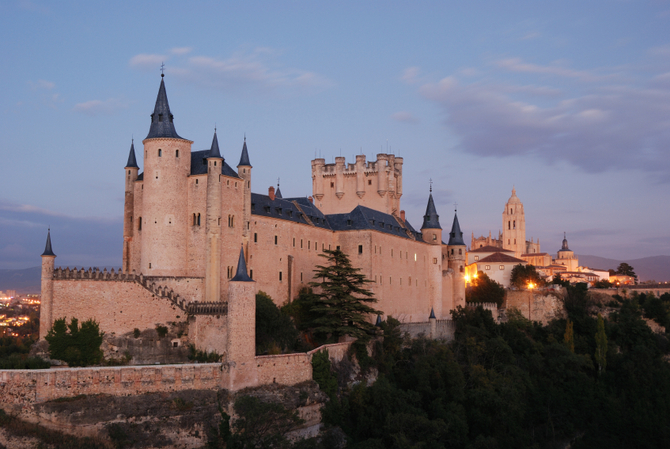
509 225
514 224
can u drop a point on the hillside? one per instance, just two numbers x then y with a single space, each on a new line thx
24 281
648 268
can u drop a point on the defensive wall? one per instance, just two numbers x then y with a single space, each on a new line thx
21 388
439 330
541 305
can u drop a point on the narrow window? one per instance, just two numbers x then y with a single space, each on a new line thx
508 241
255 237
160 153
309 244
236 184
461 268
487 267
219 221
460 252
400 281
391 252
338 247
502 267
369 182
515 241
251 274
434 237
177 153
160 117
300 243
294 242
280 275
139 226
196 181
390 280
194 222
149 264
360 249
300 276
275 239
514 224
198 219
332 184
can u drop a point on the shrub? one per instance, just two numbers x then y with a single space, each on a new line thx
162 331
136 333
77 346
197 355
275 331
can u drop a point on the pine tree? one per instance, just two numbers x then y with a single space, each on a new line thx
341 308
569 336
601 345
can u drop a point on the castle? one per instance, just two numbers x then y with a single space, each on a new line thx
198 244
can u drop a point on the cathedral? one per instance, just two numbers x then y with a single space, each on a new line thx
193 228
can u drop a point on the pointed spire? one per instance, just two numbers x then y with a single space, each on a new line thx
278 192
132 161
241 275
564 247
47 249
432 314
244 158
214 150
456 236
431 220
162 124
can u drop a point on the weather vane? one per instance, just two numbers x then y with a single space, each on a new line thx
431 185
162 69
455 207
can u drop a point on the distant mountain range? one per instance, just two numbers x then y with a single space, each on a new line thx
655 268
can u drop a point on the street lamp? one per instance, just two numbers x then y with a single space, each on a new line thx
530 297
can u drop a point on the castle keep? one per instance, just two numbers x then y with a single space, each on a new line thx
198 244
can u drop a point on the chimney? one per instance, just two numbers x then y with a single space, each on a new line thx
271 193
311 200
402 215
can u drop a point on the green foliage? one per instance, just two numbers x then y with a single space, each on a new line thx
558 280
484 289
197 355
522 275
569 336
602 283
322 373
77 346
162 331
656 308
274 328
261 424
136 333
22 361
601 345
626 270
341 308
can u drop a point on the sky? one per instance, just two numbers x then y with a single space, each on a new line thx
568 102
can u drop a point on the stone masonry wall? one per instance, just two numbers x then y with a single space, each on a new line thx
544 305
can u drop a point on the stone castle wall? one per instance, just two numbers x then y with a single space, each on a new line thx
544 305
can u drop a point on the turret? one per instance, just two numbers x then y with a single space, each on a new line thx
244 172
432 234
431 229
165 214
382 179
241 346
46 307
130 170
339 176
360 175
213 223
456 257
318 166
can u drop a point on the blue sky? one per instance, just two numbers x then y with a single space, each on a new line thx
568 101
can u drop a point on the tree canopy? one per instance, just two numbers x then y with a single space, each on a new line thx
77 346
342 306
522 275
626 270
485 289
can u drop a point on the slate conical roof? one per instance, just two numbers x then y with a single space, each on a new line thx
278 193
431 220
214 151
244 158
162 124
564 246
47 249
241 275
432 314
132 161
456 236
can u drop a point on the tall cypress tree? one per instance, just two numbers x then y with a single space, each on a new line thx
342 308
601 345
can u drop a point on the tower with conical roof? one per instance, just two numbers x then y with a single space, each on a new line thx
167 165
46 306
431 232
456 257
213 223
131 169
514 226
241 324
244 172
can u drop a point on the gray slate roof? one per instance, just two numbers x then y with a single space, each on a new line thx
214 150
162 120
199 164
431 220
244 158
241 274
47 248
132 161
456 236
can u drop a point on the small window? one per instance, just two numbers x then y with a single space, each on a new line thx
461 269
452 251
460 251
360 249
160 153
175 344
236 184
276 239
219 221
515 241
251 274
300 243
487 267
514 224
332 184
255 237
294 242
309 244
434 237
280 276
391 252
509 225
300 276
198 219
177 153
369 182
139 224
149 264
196 181
434 259
502 267
160 117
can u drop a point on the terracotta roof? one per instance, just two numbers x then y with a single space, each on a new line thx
500 257
490 249
533 254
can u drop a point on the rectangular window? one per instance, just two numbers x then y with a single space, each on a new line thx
300 243
476 257
502 267
251 274
391 252
280 275
309 244
487 267
300 276
275 239
360 249
294 242
255 237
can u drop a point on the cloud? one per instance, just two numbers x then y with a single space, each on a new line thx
147 62
257 69
616 126
180 50
520 66
98 107
405 117
41 84
410 74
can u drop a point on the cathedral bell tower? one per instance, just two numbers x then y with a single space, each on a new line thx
514 226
